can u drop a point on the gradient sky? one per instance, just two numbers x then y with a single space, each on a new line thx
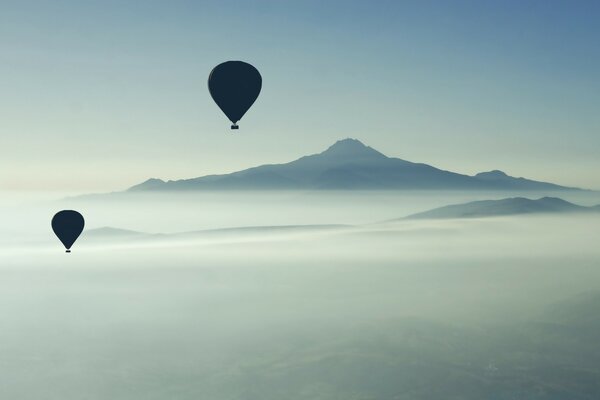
100 95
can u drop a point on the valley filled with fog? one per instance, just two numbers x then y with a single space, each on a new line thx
297 295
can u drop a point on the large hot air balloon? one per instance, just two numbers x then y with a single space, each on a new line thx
68 225
234 86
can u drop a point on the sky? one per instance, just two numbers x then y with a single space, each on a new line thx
101 95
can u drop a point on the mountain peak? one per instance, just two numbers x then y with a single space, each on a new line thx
351 148
148 184
495 174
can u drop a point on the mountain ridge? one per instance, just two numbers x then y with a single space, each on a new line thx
348 164
503 207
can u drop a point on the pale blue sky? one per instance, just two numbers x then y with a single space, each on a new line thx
100 95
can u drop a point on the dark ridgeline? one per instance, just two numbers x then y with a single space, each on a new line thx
348 164
511 206
234 86
68 225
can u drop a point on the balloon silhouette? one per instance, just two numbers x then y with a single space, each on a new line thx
234 86
68 225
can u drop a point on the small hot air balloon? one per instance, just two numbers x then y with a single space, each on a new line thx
68 225
234 86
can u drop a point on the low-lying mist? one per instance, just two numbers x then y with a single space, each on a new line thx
349 307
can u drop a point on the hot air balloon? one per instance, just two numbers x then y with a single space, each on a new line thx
67 225
234 86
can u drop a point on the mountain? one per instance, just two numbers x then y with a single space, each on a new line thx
511 206
348 164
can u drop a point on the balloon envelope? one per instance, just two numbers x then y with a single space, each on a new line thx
68 225
234 86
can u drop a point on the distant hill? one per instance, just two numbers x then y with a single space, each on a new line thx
511 206
104 234
108 233
348 164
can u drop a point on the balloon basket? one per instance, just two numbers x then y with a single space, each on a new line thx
234 126
68 251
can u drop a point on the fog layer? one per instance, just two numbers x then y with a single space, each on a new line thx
484 308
